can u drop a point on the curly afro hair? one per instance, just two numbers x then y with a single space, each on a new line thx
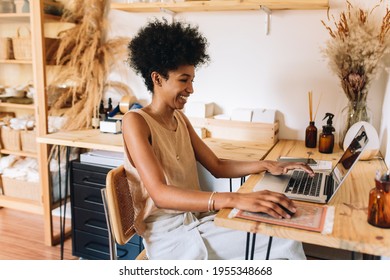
162 47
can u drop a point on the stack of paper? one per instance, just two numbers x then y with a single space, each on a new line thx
101 157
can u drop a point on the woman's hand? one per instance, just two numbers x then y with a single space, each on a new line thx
268 202
278 168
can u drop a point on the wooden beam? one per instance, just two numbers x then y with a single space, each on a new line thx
221 5
39 65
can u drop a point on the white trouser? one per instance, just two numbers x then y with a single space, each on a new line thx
188 236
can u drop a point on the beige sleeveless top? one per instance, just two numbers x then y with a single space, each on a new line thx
174 151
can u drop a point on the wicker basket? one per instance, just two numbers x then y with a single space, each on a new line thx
28 140
6 50
22 45
21 189
10 139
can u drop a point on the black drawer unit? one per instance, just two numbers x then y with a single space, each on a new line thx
89 228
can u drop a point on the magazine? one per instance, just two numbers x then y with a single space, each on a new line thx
308 216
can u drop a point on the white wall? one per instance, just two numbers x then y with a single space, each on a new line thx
251 69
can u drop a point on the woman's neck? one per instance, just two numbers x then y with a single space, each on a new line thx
164 116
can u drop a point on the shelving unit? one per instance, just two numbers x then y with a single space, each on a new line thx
27 70
34 71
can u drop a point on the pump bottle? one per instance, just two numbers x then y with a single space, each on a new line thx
326 139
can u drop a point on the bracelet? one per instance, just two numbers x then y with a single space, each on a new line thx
211 204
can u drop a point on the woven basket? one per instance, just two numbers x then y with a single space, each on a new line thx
22 45
28 140
21 189
10 139
6 50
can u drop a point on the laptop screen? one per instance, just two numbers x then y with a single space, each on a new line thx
350 156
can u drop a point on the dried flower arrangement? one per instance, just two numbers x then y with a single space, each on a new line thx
355 50
359 40
87 58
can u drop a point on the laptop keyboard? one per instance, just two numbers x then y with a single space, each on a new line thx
301 183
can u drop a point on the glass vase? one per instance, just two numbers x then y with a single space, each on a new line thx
354 112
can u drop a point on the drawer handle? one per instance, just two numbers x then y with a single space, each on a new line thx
93 200
103 249
96 247
86 180
96 224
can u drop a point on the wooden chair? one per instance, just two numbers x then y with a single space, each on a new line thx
118 207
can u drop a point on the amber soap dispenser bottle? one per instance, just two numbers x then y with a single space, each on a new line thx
326 139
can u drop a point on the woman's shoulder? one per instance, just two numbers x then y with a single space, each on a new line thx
134 117
133 123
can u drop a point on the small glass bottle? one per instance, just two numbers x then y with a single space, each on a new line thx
326 139
95 122
379 203
311 136
109 108
102 111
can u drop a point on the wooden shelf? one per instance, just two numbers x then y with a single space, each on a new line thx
220 5
26 205
18 153
14 17
17 106
25 17
14 61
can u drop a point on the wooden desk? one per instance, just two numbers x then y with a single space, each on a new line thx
94 139
351 230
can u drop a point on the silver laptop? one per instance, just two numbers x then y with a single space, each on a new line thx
321 188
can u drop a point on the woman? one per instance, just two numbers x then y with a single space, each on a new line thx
172 214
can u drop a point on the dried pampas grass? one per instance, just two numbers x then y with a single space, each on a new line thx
359 40
87 58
